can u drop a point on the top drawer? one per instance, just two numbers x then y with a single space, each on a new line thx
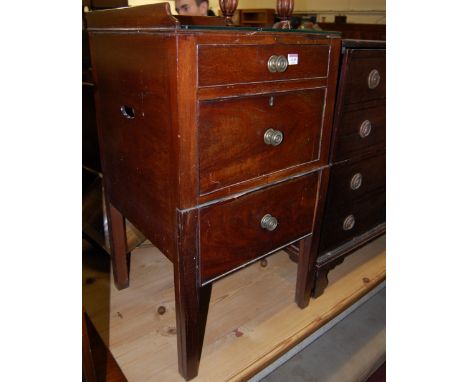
234 64
365 80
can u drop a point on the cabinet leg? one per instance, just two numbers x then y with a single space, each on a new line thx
309 247
320 282
118 245
321 276
192 299
191 313
306 260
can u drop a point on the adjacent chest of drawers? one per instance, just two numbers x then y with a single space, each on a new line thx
355 206
215 144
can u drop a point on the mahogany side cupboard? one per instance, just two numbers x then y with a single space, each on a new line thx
214 142
355 208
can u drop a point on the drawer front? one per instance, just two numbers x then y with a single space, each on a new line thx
234 64
352 180
359 131
231 233
366 76
232 142
344 222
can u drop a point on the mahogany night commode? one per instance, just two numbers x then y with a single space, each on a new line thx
214 143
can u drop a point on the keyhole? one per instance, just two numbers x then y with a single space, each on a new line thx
127 111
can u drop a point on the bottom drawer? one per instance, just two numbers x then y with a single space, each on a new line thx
344 222
231 232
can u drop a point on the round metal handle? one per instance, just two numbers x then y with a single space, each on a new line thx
356 181
365 128
269 222
277 64
348 223
273 137
281 64
373 80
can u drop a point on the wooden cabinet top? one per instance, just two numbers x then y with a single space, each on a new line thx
158 18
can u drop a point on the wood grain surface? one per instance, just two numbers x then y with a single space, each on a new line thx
231 137
362 62
241 338
249 63
231 233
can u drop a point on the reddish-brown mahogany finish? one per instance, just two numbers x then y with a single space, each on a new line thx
242 154
308 249
231 233
228 7
284 9
182 115
118 244
248 63
135 152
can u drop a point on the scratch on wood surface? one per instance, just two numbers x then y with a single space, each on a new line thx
214 181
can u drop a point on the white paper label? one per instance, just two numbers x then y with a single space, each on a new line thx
293 59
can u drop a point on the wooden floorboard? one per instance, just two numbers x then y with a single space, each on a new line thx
252 318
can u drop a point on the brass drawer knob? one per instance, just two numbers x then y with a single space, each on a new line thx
373 80
356 181
273 137
365 128
269 222
277 64
348 222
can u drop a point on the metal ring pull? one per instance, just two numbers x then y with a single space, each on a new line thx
272 63
365 128
348 223
281 64
273 137
356 181
269 222
277 64
373 80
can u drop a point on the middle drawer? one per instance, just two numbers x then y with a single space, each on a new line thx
353 179
232 233
358 131
247 137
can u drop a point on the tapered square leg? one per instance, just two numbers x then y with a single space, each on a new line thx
306 261
191 311
118 245
192 299
309 247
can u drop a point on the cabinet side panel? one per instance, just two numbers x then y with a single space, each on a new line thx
133 95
